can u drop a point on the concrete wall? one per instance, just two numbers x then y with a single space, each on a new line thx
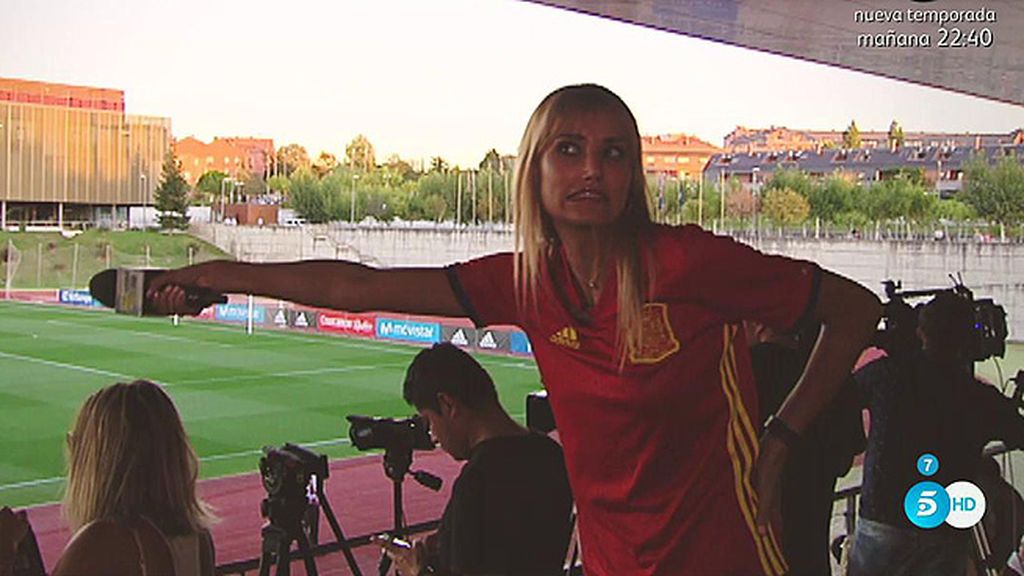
991 270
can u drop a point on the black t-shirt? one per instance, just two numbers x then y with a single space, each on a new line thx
509 510
836 435
917 407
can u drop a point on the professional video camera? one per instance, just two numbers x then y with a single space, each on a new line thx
369 432
294 480
988 333
286 472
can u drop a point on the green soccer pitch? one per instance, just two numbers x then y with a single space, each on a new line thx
236 393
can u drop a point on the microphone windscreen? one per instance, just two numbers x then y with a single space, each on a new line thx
103 287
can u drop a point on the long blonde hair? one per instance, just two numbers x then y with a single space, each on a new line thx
128 457
535 235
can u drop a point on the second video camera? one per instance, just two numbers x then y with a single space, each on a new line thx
369 432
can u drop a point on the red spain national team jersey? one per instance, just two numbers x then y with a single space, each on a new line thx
659 453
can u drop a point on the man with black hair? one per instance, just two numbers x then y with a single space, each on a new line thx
924 399
509 512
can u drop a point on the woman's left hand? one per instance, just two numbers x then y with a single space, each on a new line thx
771 462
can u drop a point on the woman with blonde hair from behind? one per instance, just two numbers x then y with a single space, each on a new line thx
131 490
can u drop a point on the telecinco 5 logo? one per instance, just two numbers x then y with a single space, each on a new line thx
927 504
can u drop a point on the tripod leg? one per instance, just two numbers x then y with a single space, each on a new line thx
284 562
306 556
340 536
270 548
312 521
266 560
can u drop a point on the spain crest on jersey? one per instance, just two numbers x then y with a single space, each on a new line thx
658 341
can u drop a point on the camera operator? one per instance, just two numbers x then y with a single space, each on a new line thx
924 398
510 505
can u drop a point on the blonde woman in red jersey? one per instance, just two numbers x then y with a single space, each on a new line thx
633 326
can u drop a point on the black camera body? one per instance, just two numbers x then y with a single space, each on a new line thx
370 432
286 471
898 335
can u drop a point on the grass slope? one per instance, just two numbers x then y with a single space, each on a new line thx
47 259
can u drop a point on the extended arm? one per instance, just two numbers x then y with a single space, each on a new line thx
322 283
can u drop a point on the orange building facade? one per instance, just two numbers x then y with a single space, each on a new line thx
236 157
678 155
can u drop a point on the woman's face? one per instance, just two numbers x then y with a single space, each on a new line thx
586 168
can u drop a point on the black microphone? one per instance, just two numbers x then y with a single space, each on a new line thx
124 289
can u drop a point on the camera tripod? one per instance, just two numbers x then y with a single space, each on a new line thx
397 461
285 525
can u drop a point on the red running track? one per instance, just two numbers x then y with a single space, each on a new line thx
359 492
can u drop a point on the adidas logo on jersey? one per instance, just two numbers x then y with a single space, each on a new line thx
566 337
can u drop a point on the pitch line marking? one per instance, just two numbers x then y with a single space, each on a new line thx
55 364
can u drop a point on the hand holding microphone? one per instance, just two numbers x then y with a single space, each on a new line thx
155 292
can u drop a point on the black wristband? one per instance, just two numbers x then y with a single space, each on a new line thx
778 428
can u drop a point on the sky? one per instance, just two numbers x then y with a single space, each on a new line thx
450 78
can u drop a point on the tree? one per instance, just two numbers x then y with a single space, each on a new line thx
790 179
896 198
252 184
438 164
360 154
995 192
491 161
291 158
279 184
324 164
785 207
895 135
208 187
693 212
851 137
830 199
739 201
952 210
435 198
307 197
172 195
402 168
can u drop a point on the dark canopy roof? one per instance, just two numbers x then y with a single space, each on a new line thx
827 31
